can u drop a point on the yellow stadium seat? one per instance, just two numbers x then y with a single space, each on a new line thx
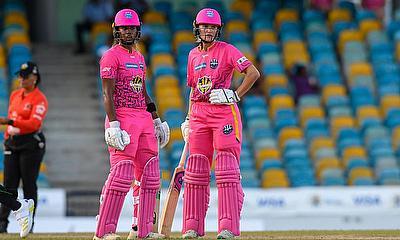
284 15
368 111
353 152
103 27
368 25
183 36
275 178
165 174
338 14
280 101
398 51
266 153
243 6
332 90
175 135
340 122
359 172
348 35
236 26
43 167
360 68
162 59
276 80
389 102
322 142
17 38
289 133
153 17
327 162
16 18
396 138
310 112
166 81
262 37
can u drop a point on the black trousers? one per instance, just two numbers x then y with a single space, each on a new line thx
22 158
80 29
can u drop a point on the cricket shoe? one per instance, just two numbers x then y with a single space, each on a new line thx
190 234
108 236
133 233
153 235
225 234
24 216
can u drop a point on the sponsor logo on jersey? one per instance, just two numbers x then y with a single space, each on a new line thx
241 60
200 66
141 66
204 84
131 65
213 63
40 109
136 83
227 129
106 69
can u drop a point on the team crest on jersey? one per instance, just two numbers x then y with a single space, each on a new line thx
204 84
213 63
136 83
227 129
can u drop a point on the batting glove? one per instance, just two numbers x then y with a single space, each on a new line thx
223 96
162 132
115 137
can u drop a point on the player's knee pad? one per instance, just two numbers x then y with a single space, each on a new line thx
113 194
149 186
230 192
196 193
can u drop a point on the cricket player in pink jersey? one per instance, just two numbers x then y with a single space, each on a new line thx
132 128
214 122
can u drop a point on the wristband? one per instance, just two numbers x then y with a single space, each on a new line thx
151 107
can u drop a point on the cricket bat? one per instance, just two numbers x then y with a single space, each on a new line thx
168 212
156 214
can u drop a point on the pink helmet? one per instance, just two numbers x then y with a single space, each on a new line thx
208 16
126 17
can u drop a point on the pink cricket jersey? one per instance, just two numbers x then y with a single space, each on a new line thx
213 69
128 70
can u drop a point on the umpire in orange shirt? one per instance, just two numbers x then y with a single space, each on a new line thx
24 144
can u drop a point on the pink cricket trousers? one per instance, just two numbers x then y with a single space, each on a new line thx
216 127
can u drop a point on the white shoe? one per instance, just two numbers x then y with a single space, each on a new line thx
190 234
108 236
132 234
225 234
153 235
24 216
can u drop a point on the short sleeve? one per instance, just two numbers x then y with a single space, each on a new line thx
238 60
189 71
108 66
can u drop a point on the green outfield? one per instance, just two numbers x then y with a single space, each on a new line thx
281 235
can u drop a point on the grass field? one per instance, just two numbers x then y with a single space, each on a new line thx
281 235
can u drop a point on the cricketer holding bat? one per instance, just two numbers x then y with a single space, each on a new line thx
132 127
214 122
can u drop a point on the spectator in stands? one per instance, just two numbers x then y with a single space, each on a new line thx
377 6
24 144
22 210
215 122
322 5
303 82
132 129
94 11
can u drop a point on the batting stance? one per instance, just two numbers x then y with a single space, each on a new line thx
130 131
214 122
